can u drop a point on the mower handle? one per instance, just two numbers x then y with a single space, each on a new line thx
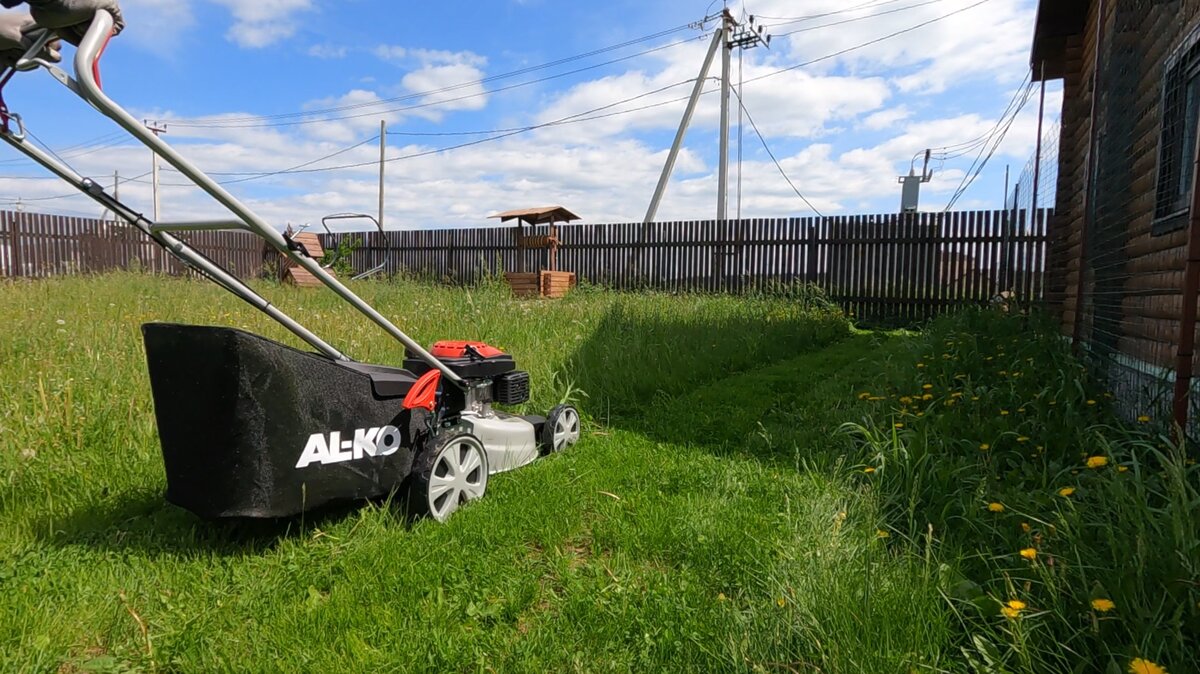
87 70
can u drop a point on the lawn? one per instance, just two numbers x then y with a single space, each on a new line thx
760 488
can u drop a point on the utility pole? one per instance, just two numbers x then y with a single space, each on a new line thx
382 151
731 35
156 129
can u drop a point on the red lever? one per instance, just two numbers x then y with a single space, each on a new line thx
423 394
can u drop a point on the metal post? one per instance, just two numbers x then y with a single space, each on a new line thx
661 188
1187 319
382 151
723 167
1037 153
1089 181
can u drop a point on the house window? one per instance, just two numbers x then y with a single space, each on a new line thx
1177 144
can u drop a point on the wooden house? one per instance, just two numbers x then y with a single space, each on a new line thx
1131 96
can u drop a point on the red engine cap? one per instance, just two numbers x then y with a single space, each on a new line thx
452 348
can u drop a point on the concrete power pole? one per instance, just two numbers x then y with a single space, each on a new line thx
731 35
382 151
157 130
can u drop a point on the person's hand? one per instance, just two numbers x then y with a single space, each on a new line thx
16 39
70 19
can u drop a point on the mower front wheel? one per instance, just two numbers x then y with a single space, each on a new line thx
561 429
450 471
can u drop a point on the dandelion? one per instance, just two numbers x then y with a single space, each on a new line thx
897 425
720 596
927 387
1021 410
869 469
1097 461
1122 469
1003 413
1023 438
996 507
1010 613
1066 491
1103 605
864 395
906 400
1144 419
975 398
876 398
983 447
781 602
920 365
956 394
880 533
1091 402
1025 527
927 396
1143 666
1016 604
1029 553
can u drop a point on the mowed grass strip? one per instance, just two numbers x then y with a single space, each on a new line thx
642 549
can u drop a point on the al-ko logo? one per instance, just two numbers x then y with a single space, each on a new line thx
331 449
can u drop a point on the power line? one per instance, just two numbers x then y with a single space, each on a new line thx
991 146
255 122
858 18
785 20
750 118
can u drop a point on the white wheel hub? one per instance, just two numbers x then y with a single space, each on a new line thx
566 428
459 475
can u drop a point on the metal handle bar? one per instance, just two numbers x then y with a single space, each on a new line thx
86 66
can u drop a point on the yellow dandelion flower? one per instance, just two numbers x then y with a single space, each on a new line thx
876 398
1010 613
897 425
1017 604
983 447
956 394
1143 419
996 507
1097 461
869 469
975 398
864 395
1103 605
720 596
927 387
1143 666
781 601
920 365
1066 491
1122 469
1029 553
1023 438
920 414
927 396
1091 402
1021 410
1025 527
906 399
1003 413
880 533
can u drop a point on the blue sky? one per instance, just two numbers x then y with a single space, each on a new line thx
230 79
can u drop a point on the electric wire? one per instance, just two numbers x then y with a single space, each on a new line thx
750 118
857 18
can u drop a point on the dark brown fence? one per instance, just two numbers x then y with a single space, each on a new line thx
885 268
34 245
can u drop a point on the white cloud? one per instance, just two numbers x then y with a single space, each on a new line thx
157 24
260 23
328 51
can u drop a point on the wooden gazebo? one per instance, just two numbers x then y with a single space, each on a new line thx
548 282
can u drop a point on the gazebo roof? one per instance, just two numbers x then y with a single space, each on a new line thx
537 216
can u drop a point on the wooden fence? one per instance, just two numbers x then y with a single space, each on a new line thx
35 245
888 268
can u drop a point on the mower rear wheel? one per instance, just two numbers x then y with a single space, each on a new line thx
561 429
449 472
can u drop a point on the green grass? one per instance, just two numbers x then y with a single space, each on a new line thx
742 501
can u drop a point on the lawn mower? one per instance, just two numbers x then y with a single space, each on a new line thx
251 428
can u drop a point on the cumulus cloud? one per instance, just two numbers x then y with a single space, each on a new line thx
261 23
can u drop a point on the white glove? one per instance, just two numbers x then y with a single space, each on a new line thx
70 18
15 40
